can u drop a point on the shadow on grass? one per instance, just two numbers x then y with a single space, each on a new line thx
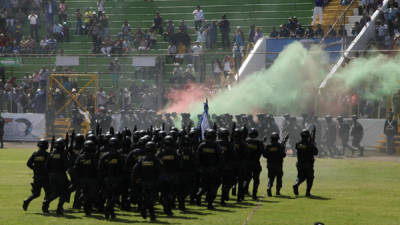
285 196
315 197
66 216
157 222
178 217
195 212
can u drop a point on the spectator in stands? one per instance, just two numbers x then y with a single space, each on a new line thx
390 15
201 35
284 31
158 23
183 27
65 30
87 19
317 11
216 69
57 32
309 32
177 74
365 19
331 31
252 32
170 30
43 76
238 38
181 51
62 12
107 46
34 25
300 31
292 25
51 43
96 37
43 46
100 7
224 28
126 46
138 38
319 32
197 50
198 17
227 64
258 35
342 31
103 19
143 44
115 68
212 35
355 30
171 52
274 33
126 30
188 74
51 10
78 27
237 52
117 46
152 38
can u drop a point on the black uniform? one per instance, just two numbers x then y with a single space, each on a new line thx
255 150
187 173
306 151
275 152
242 172
209 161
2 123
357 132
111 170
330 136
85 168
57 165
229 170
169 176
390 130
37 163
147 170
344 133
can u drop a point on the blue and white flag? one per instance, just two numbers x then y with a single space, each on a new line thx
203 123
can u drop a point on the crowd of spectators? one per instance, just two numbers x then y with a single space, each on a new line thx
46 22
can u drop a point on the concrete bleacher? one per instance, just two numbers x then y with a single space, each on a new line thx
139 13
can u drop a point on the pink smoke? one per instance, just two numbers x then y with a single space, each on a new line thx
179 100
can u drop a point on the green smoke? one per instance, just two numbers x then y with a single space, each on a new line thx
286 86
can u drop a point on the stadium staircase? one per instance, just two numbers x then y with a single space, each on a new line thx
334 10
263 13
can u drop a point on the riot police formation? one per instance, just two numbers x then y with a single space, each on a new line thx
357 133
145 166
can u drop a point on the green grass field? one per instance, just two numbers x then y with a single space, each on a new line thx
347 191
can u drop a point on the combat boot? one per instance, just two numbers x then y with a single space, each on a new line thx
152 214
278 191
143 213
60 211
234 190
210 206
269 192
296 190
45 206
26 204
309 186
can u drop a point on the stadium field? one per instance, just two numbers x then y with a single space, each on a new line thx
346 191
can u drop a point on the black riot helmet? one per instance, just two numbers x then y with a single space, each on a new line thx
43 144
79 140
193 133
89 146
91 137
169 140
108 136
274 137
305 135
127 142
339 119
223 133
150 147
59 144
113 143
210 135
354 117
253 133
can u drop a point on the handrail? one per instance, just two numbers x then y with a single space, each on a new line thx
336 22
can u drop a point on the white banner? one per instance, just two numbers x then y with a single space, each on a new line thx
67 60
144 61
24 126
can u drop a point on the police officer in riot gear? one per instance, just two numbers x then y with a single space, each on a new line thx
187 171
57 165
344 132
85 168
111 170
357 132
37 163
147 170
330 135
390 131
169 174
255 150
275 152
306 151
209 162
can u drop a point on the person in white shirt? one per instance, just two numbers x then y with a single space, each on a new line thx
198 17
33 22
196 50
100 7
